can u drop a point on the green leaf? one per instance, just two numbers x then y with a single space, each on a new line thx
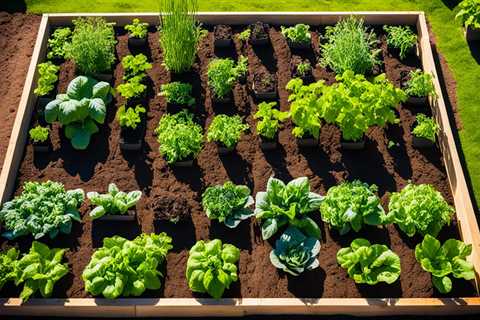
51 110
97 110
101 90
213 285
269 228
80 87
443 284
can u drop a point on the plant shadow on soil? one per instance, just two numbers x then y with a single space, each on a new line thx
238 169
142 167
218 230
103 229
182 233
276 159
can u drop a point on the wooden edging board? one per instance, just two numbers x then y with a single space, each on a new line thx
139 307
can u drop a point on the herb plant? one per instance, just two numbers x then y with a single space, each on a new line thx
444 260
7 261
298 34
244 35
419 209
226 130
79 109
178 93
130 117
287 204
179 33
211 267
303 68
93 45
401 38
113 202
135 66
426 128
127 267
420 84
222 74
294 252
180 138
137 29
270 119
369 264
39 134
349 46
469 14
133 88
228 204
47 77
350 205
57 41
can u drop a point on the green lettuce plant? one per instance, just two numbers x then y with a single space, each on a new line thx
444 260
351 205
401 38
127 267
211 267
180 138
270 119
419 209
420 84
137 29
113 202
226 130
369 264
43 208
177 93
130 117
303 68
7 265
298 34
228 204
244 35
294 252
79 109
133 88
134 66
469 14
287 204
39 134
57 41
223 73
47 77
426 127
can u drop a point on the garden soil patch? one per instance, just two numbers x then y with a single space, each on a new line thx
390 168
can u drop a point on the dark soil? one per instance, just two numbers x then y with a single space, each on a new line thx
259 31
172 192
307 75
222 32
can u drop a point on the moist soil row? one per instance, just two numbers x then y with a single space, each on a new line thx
169 192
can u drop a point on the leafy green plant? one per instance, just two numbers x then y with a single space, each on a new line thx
137 29
93 45
401 38
127 267
350 205
130 117
135 66
242 67
177 93
228 204
226 130
287 204
349 46
419 209
57 41
43 208
298 34
443 260
244 35
7 265
39 134
39 270
79 109
222 74
469 14
211 267
303 68
369 264
294 252
180 138
47 77
133 88
113 202
270 119
420 84
426 127
179 33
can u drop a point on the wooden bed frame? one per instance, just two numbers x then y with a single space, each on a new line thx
139 307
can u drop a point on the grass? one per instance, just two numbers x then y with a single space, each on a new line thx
449 35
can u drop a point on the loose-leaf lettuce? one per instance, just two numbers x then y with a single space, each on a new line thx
369 264
443 260
7 260
211 267
113 202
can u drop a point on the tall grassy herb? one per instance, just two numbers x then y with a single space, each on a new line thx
179 33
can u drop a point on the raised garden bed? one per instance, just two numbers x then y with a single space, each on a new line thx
261 289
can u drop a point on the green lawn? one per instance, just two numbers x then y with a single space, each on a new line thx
451 43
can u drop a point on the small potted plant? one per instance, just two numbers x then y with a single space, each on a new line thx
264 85
267 127
137 33
133 90
469 15
418 87
222 75
39 137
132 125
226 132
301 68
115 205
244 36
178 95
45 90
223 35
401 40
259 34
298 36
424 131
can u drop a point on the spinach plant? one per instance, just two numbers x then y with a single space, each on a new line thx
469 14
47 72
401 38
39 134
426 127
298 34
270 119
211 267
7 266
57 41
113 202
420 84
226 130
178 93
130 117
137 29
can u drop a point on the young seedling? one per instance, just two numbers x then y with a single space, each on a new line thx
226 131
402 39
270 120
298 36
137 33
425 131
